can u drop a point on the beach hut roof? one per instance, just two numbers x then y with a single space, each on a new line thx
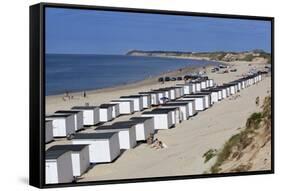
212 90
84 107
119 100
148 92
75 148
201 93
58 115
160 110
93 135
192 96
131 96
107 105
123 125
175 104
67 111
54 154
140 119
182 101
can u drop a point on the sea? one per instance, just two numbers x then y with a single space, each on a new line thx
74 73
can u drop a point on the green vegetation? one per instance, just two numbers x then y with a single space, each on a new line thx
209 154
233 147
218 55
248 57
254 120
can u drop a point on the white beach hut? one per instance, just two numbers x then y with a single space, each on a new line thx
161 94
138 104
214 94
78 117
126 132
178 92
146 101
58 167
48 131
211 82
90 114
181 90
106 112
154 100
166 92
125 106
184 111
187 88
260 76
227 88
177 116
162 118
116 110
198 86
199 101
191 106
208 102
232 88
172 93
63 124
80 157
224 92
103 147
203 84
193 87
236 86
144 127
243 83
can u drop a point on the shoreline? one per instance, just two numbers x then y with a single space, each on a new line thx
145 81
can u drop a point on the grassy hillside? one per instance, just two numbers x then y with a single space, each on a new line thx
250 149
217 56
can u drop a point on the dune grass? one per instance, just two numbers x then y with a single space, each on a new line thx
233 147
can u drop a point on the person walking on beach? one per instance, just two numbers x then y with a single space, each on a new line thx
84 94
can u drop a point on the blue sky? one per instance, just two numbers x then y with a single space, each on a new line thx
74 31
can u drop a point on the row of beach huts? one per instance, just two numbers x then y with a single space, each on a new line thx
65 163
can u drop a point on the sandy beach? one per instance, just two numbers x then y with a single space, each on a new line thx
187 142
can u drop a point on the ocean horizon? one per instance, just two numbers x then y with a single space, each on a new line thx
83 72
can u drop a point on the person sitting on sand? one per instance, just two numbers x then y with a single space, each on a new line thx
157 144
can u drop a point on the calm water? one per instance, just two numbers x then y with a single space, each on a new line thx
87 72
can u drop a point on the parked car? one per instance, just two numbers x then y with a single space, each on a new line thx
167 79
179 78
173 79
161 79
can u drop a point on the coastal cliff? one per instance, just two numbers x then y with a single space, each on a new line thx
254 55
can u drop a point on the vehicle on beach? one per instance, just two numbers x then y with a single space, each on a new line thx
179 78
167 79
222 66
161 79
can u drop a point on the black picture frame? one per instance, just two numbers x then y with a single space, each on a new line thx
37 93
